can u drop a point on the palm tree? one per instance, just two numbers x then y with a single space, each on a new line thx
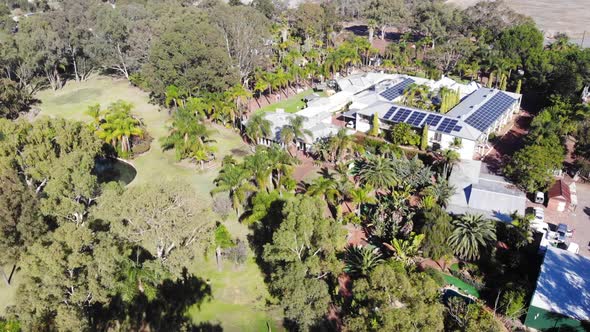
257 127
174 95
342 144
449 159
187 134
281 162
371 25
94 112
377 171
406 250
360 196
360 261
294 130
260 168
325 188
236 181
471 235
441 191
119 126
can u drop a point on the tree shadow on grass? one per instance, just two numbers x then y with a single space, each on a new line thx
167 311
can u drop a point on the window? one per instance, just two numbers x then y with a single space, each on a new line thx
437 137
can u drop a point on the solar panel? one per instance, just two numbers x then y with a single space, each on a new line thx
396 90
416 118
447 126
457 128
389 113
433 120
489 112
401 115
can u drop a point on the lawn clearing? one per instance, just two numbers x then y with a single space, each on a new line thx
239 295
293 104
155 165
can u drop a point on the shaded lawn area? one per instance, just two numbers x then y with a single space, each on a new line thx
239 296
291 105
460 284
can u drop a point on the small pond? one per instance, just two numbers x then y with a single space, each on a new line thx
111 169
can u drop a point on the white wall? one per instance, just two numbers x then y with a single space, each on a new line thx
466 151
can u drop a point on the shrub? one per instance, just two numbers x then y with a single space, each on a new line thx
141 145
223 237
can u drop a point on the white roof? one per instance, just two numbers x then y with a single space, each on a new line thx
563 285
485 194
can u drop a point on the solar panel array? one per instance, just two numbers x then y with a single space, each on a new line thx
418 119
483 117
397 90
433 120
389 113
447 126
401 115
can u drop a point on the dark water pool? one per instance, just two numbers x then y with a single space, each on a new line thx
111 169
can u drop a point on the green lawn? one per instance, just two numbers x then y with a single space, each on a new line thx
291 105
239 302
239 298
465 287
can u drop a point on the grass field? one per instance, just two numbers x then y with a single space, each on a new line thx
239 296
291 105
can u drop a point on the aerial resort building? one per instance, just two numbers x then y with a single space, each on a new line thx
464 125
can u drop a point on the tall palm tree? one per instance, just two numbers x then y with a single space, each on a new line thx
325 188
294 130
471 235
186 135
174 95
119 126
236 181
377 171
260 167
449 159
342 143
361 196
257 127
282 164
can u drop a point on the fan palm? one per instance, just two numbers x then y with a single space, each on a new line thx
471 235
449 159
360 261
236 181
377 171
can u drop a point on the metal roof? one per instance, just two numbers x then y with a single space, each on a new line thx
563 285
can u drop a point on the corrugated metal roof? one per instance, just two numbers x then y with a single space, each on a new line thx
563 285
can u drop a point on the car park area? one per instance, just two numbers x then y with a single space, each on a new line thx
576 221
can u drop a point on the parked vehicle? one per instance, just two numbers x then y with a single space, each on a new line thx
539 214
539 226
540 197
573 247
562 232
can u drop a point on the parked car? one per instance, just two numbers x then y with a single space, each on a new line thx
573 247
562 232
539 214
539 226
